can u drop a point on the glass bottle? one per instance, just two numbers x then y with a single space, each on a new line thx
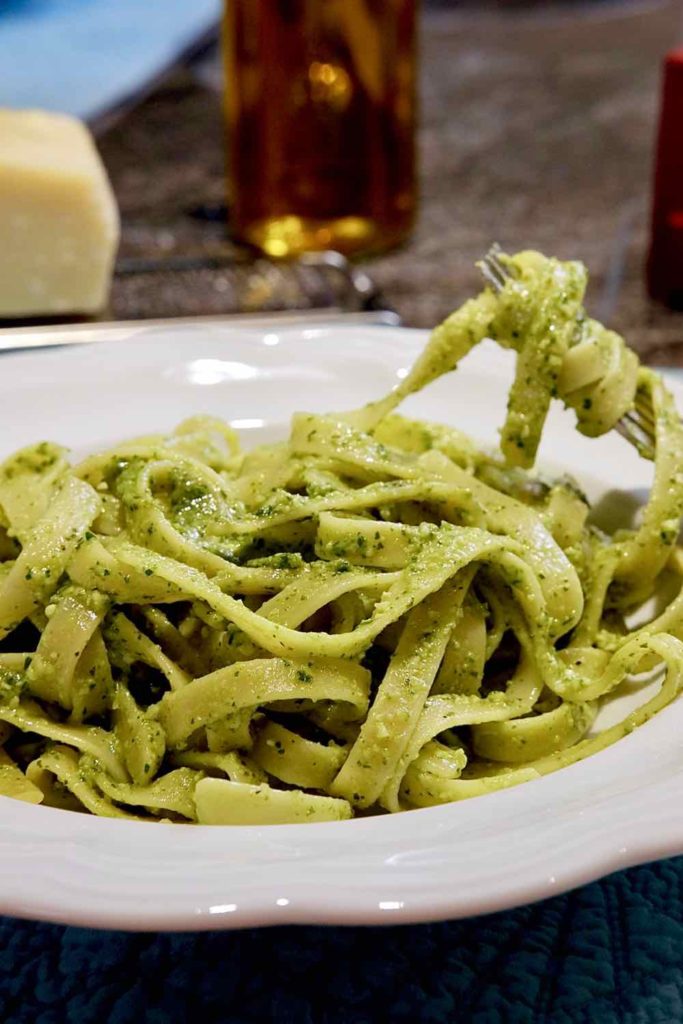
320 112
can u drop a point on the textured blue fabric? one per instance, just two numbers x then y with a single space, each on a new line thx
609 953
84 56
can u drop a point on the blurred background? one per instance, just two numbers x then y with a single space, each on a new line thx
535 127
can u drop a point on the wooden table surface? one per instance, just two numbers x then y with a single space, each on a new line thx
536 130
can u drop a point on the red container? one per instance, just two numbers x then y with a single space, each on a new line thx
665 260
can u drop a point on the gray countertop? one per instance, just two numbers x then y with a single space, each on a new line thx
536 130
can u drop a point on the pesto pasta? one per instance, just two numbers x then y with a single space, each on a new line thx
370 616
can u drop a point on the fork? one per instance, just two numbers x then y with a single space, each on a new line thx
636 426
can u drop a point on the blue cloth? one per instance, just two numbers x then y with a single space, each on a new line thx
85 56
609 953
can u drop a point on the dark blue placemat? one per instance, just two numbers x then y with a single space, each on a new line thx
609 953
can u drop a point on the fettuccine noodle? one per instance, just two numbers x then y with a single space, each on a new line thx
371 616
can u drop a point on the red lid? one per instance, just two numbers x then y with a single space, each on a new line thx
665 261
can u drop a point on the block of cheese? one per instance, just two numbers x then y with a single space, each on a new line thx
59 224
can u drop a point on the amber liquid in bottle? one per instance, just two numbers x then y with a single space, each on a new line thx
320 110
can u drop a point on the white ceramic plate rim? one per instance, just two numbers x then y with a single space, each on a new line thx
616 809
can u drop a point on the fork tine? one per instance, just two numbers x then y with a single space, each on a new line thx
490 275
630 428
643 450
493 270
637 424
644 412
493 256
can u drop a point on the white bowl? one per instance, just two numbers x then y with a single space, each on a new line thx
618 808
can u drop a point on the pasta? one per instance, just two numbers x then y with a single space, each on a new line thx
370 616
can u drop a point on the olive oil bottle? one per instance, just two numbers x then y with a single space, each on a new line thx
320 114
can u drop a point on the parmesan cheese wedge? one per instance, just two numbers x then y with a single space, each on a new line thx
59 224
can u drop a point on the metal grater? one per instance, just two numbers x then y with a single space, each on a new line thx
218 285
